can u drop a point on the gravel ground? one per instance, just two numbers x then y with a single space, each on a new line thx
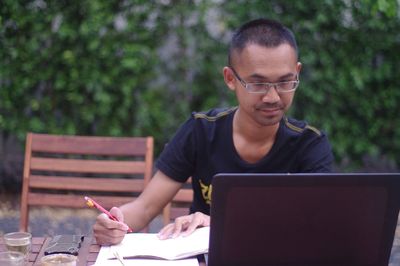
46 221
54 221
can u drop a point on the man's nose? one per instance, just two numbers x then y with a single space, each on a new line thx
271 96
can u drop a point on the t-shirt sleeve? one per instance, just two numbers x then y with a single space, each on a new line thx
317 156
177 160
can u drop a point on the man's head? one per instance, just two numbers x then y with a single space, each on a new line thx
263 32
263 70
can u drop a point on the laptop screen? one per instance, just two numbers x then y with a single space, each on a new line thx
303 219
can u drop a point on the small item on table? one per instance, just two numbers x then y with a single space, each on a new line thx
12 258
59 260
19 242
67 244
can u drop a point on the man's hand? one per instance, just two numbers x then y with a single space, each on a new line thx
184 225
107 231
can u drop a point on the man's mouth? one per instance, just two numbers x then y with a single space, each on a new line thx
269 110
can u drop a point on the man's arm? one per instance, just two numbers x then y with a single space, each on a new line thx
138 213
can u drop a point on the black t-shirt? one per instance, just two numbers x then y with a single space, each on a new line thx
203 147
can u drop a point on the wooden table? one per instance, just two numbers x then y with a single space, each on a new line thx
87 253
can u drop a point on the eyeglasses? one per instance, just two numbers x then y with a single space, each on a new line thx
262 88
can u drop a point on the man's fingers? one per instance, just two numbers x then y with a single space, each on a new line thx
190 229
104 221
184 225
102 239
199 219
107 231
107 236
173 230
117 213
179 224
166 231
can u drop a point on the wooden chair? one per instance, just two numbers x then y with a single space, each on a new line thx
60 170
180 204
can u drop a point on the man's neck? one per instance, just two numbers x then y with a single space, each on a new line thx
251 131
252 141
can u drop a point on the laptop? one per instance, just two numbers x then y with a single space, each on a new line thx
303 219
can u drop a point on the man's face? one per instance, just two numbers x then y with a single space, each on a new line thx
257 64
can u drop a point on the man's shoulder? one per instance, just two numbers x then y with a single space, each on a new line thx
300 127
214 114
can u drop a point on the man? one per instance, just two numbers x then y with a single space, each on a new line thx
255 137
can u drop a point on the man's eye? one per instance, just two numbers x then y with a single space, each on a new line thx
258 86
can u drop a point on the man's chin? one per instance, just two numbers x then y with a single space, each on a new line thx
269 120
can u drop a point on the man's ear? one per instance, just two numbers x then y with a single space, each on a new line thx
229 78
298 68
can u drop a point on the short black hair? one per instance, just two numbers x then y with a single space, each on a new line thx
264 32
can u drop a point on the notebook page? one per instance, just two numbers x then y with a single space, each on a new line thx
143 245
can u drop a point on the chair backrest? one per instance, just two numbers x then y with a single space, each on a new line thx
60 170
180 204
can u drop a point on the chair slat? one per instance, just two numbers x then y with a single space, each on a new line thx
74 201
89 145
87 166
86 183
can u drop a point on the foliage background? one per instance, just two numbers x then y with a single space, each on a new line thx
131 68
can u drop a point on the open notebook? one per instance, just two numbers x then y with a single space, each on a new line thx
147 248
303 219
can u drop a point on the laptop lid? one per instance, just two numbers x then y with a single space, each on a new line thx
303 219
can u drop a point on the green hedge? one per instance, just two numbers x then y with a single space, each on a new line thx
125 68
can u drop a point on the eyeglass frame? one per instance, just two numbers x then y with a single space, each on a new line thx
268 85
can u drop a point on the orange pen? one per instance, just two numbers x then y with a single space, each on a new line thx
93 204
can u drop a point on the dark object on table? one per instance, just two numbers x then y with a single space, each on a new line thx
67 244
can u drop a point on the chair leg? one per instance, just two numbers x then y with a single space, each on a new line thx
23 224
